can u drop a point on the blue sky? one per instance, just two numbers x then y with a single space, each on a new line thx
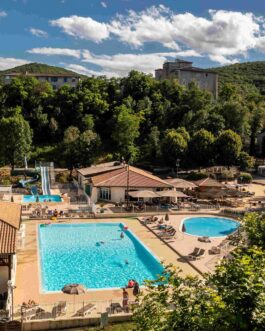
114 36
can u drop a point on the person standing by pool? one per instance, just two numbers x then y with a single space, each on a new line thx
136 289
125 300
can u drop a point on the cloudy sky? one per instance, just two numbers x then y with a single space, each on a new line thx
111 37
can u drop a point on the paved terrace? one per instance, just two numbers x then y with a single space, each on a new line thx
28 273
184 244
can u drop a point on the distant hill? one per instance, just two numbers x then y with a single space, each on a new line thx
38 68
243 73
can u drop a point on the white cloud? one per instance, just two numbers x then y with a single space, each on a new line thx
222 59
222 35
82 28
9 62
38 33
121 64
103 4
49 51
88 72
3 13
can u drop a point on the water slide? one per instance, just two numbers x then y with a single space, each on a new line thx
22 182
45 180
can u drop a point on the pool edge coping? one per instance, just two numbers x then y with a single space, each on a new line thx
38 226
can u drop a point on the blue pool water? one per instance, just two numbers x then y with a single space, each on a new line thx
71 253
42 198
209 226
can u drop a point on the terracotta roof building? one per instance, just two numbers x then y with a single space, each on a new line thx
111 183
10 218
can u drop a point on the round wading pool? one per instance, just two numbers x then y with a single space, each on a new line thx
209 226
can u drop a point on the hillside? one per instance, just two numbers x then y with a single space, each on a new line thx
38 68
243 73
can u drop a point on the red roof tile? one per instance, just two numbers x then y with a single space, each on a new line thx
137 178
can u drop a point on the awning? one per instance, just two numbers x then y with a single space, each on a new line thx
143 194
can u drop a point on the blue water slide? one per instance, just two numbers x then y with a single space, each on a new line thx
23 182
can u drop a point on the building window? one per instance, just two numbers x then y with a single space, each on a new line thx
65 79
73 80
105 193
54 79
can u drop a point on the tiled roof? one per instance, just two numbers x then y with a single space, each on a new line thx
10 213
180 183
7 238
90 171
137 178
10 216
208 182
15 74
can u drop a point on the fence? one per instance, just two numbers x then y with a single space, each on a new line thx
73 309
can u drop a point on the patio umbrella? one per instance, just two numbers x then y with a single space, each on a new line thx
74 289
172 194
144 194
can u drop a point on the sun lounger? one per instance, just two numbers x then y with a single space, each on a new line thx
204 239
215 250
166 234
194 253
87 309
199 255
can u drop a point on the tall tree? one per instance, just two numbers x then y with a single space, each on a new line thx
125 131
228 147
15 139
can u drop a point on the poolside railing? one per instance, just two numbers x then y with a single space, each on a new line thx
72 309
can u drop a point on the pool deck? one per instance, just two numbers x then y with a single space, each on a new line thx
184 244
28 273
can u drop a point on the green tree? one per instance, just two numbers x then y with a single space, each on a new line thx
230 299
201 147
173 145
79 149
228 147
152 148
125 131
15 139
240 283
254 225
245 161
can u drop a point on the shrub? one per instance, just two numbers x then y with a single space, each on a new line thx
245 177
196 175
62 177
245 161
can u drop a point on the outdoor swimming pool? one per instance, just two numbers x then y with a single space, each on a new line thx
42 198
209 226
72 253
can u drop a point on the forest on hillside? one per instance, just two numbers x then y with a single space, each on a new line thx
137 117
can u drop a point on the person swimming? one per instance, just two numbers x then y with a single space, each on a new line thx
126 261
122 235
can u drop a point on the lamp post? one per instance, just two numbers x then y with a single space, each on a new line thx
177 166
128 183
11 288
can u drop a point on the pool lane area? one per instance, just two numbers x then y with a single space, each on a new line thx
41 198
93 255
209 226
